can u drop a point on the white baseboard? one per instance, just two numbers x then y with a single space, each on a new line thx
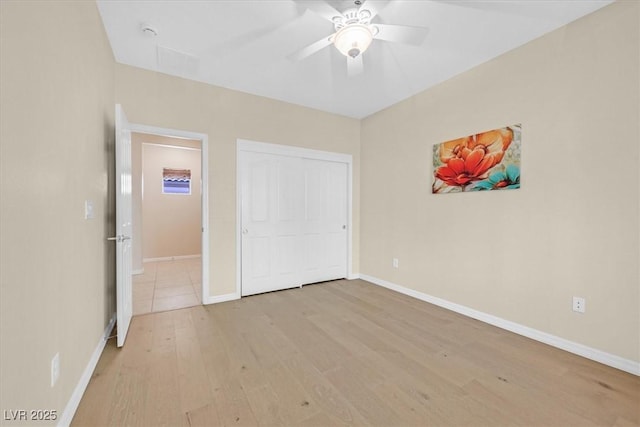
136 272
353 276
76 396
222 298
608 359
171 258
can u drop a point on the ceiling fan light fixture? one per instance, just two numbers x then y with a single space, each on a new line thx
353 39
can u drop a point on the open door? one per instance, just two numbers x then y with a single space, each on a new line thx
124 295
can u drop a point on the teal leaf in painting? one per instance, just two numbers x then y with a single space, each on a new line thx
508 179
513 174
482 185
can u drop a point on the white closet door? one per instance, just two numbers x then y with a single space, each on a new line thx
294 218
324 236
272 187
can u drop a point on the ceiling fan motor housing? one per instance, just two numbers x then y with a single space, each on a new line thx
352 16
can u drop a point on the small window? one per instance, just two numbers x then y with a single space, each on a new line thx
176 181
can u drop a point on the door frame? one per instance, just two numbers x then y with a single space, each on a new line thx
291 151
204 174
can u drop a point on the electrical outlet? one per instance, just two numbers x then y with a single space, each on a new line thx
55 369
395 263
579 304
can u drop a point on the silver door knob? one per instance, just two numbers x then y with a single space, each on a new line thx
245 231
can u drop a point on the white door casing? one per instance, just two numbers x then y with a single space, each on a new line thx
294 216
124 295
204 147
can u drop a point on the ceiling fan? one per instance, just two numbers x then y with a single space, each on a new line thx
355 31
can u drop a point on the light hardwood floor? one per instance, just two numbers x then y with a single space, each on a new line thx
345 353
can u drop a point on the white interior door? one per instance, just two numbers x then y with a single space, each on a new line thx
293 221
124 295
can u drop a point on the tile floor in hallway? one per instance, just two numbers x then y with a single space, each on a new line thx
167 285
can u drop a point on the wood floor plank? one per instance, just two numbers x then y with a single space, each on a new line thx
233 405
129 398
163 406
204 417
364 337
432 341
195 390
356 388
100 387
266 406
345 353
320 419
294 401
323 394
321 349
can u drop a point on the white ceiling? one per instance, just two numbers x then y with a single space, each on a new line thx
244 44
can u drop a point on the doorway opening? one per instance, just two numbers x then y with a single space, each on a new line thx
170 240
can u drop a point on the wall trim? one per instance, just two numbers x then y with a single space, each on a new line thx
178 147
137 272
170 258
600 356
353 276
223 298
76 396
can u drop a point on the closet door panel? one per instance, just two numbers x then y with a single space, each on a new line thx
271 211
324 228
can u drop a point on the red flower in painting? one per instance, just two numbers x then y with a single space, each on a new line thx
469 159
460 172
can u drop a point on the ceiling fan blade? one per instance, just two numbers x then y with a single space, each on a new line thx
373 6
290 18
311 49
321 8
241 41
401 33
355 66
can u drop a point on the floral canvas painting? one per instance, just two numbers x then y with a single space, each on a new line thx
484 161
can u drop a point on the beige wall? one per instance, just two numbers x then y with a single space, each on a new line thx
56 141
573 227
156 99
171 223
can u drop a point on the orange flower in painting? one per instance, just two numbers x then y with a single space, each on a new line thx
469 159
452 149
494 143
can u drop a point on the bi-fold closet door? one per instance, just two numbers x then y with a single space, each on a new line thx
294 221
